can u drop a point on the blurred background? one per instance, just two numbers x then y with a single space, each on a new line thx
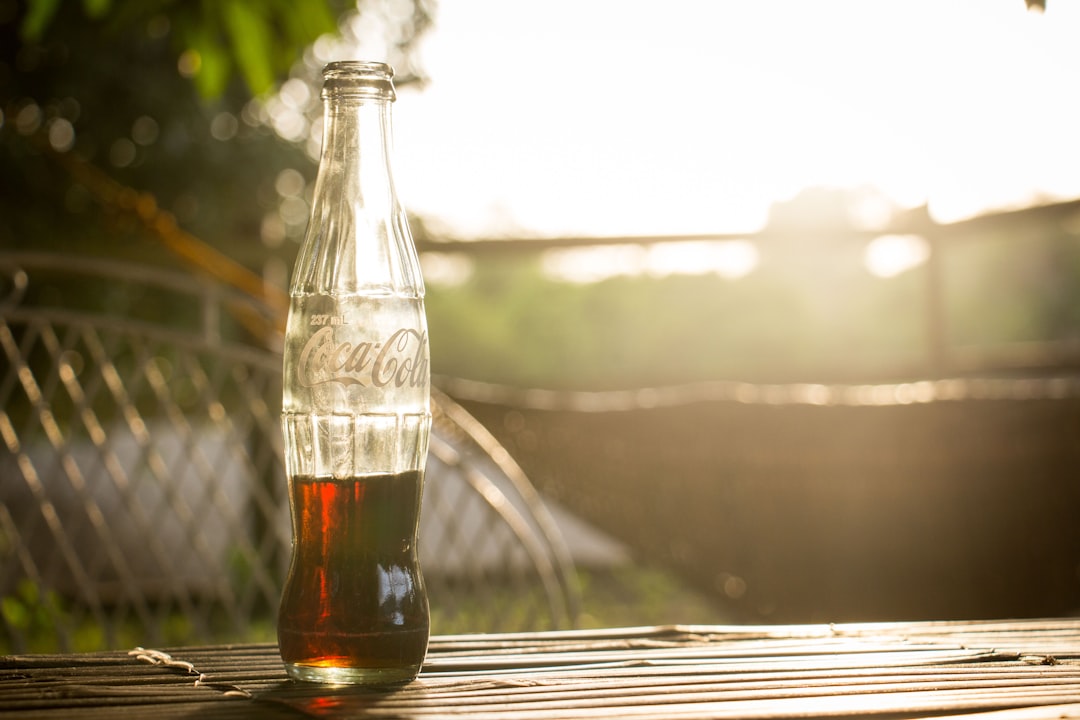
782 298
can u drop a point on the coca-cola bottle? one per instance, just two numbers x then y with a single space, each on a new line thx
355 410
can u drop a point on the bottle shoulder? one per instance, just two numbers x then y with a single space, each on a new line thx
376 293
351 254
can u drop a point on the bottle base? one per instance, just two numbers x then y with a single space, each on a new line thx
333 675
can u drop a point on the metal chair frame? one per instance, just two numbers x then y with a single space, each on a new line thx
107 471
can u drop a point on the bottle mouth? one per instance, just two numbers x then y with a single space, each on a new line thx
357 79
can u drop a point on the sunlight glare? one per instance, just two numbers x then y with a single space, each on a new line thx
890 255
446 269
731 259
591 264
956 105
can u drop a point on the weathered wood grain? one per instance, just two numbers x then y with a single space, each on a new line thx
1003 670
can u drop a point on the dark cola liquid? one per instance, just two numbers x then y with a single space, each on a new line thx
354 608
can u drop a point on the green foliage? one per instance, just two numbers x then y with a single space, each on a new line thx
249 34
259 39
156 95
510 324
25 608
810 311
1006 290
634 595
38 17
31 614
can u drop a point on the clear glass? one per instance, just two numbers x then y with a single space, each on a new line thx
355 411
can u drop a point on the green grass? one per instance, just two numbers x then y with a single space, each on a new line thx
624 596
640 595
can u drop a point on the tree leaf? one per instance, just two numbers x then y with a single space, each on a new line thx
250 35
212 74
96 8
39 14
305 28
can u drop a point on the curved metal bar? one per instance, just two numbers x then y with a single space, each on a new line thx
563 562
514 520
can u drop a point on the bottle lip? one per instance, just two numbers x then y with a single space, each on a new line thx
358 79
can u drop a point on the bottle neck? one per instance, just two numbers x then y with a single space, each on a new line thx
358 239
355 160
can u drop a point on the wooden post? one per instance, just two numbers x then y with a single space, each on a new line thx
936 322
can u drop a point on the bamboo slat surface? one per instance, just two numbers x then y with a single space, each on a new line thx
1003 669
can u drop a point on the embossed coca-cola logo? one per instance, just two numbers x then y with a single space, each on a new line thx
398 361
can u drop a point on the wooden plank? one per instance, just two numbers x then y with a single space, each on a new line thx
671 671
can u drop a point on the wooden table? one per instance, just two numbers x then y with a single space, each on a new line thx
1002 670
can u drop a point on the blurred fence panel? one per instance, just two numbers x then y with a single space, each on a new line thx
809 503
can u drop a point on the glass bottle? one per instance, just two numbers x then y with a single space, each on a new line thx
355 411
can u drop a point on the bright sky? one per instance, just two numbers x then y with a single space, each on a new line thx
608 117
